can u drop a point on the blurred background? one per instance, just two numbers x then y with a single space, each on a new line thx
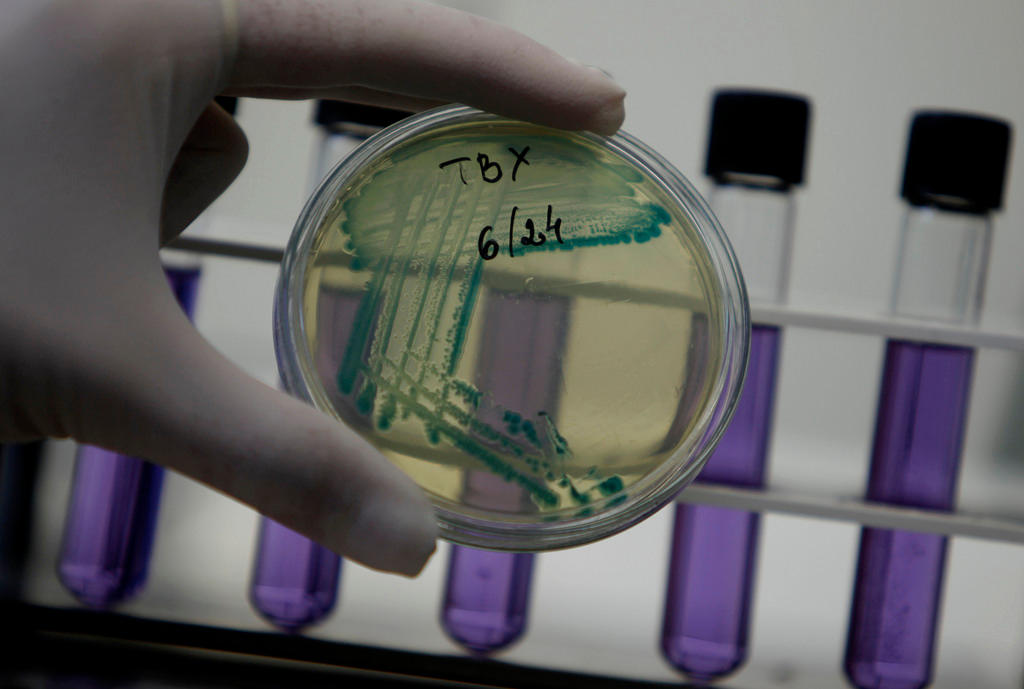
865 66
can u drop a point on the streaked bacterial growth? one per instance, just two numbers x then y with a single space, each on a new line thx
476 267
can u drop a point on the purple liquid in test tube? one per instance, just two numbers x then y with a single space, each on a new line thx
109 528
714 549
952 181
487 597
898 589
108 536
487 593
295 580
755 156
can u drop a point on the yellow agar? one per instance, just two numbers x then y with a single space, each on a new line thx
517 380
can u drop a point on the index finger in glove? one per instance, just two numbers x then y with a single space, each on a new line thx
425 52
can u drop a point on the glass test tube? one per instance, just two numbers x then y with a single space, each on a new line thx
487 594
295 581
109 528
19 468
756 154
953 178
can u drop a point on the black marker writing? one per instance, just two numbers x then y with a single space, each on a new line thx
490 170
511 228
556 228
520 158
459 161
486 164
489 248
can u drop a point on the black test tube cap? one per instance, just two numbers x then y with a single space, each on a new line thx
956 161
331 112
762 133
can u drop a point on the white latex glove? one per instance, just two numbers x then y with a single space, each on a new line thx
109 147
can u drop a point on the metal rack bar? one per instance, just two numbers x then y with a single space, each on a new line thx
228 249
880 325
120 650
888 326
856 510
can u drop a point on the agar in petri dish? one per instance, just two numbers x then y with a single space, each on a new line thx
546 330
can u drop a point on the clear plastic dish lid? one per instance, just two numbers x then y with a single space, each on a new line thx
546 330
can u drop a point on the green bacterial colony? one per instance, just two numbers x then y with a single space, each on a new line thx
568 369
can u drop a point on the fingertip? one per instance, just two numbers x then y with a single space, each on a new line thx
603 99
393 532
359 504
610 115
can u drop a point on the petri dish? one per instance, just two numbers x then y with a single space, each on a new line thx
546 330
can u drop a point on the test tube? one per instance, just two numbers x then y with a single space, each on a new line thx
756 153
487 593
19 468
109 528
295 581
952 181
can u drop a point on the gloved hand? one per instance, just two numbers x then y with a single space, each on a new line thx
109 146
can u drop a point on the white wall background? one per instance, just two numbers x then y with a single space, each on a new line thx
865 65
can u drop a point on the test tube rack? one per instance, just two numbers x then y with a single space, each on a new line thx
68 640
